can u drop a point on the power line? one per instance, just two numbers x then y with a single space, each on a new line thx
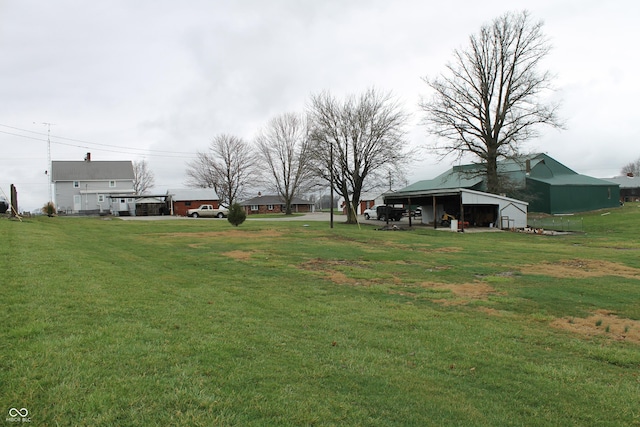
117 149
93 143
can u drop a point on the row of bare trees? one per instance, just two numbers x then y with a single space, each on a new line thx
348 144
486 104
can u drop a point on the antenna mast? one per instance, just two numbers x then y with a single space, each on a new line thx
48 172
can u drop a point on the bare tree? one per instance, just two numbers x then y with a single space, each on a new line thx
143 178
631 168
489 101
229 167
356 142
200 171
285 149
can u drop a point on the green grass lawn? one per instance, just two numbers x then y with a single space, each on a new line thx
199 323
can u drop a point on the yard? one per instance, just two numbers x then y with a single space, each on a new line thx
123 323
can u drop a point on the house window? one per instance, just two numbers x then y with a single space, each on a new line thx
270 207
112 184
609 193
254 207
100 198
187 203
76 184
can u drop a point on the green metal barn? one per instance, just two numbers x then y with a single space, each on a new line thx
546 184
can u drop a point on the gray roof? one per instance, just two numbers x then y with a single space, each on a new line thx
271 199
91 171
625 181
186 194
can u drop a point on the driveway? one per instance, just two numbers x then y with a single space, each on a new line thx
312 216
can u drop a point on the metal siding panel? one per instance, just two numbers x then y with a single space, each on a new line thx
64 193
515 213
568 199
540 199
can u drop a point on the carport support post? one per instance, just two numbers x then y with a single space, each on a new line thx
435 220
409 212
461 214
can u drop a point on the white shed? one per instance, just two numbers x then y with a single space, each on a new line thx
470 207
512 213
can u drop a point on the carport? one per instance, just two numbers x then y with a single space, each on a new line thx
470 208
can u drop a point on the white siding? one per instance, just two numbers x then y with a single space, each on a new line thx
514 210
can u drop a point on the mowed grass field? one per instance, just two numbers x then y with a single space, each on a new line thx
198 323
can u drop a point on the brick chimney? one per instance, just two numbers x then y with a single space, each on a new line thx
87 158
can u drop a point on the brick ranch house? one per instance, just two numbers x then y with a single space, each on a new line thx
274 204
181 200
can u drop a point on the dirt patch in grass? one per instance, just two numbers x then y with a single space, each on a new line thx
239 255
475 290
332 272
444 250
490 311
582 268
338 277
602 323
463 293
220 234
320 264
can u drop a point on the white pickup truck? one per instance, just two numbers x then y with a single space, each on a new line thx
208 211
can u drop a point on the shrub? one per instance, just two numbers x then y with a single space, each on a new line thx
237 215
49 209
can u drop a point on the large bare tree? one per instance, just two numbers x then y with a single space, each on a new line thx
284 146
490 100
357 142
143 178
229 167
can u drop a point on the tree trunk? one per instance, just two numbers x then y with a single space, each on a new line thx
351 207
493 183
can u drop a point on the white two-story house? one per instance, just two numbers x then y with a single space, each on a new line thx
91 187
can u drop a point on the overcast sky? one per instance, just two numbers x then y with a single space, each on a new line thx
158 79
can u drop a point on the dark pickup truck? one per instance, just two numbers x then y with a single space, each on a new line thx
390 212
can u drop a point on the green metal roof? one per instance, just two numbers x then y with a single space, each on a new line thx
541 168
576 179
447 180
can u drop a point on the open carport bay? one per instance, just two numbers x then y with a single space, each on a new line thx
469 207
